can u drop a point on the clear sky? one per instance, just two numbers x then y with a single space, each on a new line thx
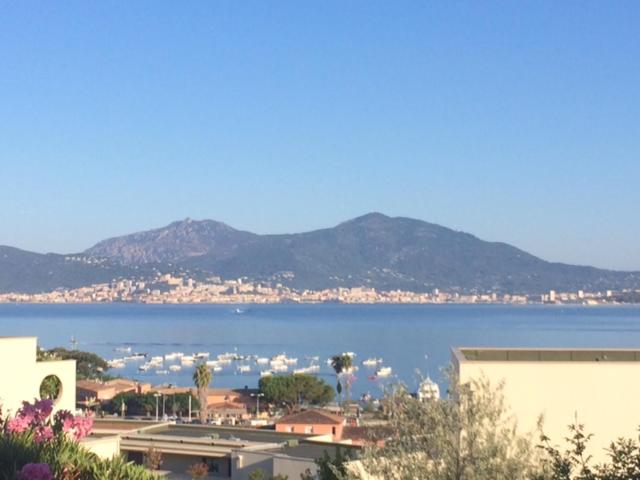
515 121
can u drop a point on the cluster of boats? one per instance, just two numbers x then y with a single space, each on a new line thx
244 364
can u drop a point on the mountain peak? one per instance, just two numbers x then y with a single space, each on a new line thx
368 218
178 240
373 216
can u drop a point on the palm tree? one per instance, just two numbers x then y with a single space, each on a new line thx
338 366
202 378
347 367
341 364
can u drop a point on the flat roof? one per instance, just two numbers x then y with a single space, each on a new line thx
246 434
307 449
196 440
118 425
546 355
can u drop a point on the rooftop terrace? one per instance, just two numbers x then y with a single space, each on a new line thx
545 355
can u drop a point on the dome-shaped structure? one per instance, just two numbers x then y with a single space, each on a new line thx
428 390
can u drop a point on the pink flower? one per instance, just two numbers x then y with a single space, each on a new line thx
82 427
18 424
43 434
35 471
76 427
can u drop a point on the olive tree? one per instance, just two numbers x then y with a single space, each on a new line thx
468 435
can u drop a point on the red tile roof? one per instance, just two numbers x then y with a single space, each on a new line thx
228 406
311 417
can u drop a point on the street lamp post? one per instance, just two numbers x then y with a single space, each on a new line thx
157 395
257 395
164 397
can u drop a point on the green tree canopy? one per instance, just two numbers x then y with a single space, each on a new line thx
88 364
293 390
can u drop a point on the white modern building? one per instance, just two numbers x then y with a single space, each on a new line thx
21 375
599 388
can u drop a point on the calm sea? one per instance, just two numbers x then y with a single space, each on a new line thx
406 337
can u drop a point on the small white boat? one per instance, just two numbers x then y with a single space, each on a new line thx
213 363
384 372
144 368
266 373
371 362
202 355
291 361
162 372
175 368
136 356
226 357
123 349
244 369
280 367
307 370
116 363
173 355
262 360
157 359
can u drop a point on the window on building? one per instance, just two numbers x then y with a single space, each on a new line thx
51 388
333 430
308 429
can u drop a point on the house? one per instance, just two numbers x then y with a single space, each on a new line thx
228 411
90 391
236 396
312 422
597 387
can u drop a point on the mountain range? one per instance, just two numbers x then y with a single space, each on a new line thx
372 250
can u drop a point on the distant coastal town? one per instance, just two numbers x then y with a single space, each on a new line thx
172 289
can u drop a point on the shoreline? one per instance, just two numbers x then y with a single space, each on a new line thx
258 304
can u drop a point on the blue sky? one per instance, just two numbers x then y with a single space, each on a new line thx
515 121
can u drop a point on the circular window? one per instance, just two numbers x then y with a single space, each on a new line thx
51 388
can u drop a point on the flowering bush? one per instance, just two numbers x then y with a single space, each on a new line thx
35 419
35 471
36 445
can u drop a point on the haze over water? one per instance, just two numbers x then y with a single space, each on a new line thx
400 334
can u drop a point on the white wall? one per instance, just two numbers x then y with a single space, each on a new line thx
243 462
21 375
603 395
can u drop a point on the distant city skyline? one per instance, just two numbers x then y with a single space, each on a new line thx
514 122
